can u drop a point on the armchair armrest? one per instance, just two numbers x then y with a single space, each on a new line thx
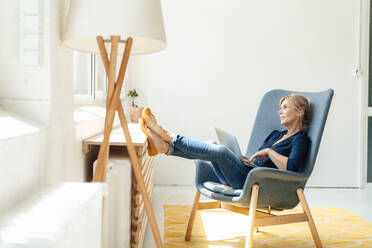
258 174
277 187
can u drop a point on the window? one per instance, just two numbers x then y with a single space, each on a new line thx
83 64
89 76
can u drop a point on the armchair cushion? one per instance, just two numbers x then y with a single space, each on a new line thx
277 187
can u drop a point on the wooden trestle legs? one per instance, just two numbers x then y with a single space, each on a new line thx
113 104
257 218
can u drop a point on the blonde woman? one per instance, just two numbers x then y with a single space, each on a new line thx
285 150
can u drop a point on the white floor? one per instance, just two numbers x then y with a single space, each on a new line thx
358 200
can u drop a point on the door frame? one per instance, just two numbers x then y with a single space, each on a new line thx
364 46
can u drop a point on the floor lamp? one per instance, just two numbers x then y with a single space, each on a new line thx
130 27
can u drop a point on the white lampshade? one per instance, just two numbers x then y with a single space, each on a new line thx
140 19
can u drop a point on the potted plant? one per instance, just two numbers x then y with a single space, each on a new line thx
134 110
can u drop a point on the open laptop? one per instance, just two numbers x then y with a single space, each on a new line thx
231 142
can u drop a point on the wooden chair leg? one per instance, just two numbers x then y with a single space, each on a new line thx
252 216
192 216
310 221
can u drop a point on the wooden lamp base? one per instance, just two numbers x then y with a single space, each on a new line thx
113 104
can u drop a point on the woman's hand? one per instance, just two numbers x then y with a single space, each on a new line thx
279 160
260 154
246 160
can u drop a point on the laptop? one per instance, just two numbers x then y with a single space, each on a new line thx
231 142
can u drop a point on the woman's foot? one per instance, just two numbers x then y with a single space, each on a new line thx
151 148
153 125
160 144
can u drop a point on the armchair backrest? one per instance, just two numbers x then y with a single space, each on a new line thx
267 120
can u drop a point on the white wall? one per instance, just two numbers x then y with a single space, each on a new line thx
222 56
20 175
23 89
44 96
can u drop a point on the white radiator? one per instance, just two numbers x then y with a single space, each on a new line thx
117 214
66 215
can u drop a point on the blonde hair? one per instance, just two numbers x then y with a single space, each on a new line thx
301 103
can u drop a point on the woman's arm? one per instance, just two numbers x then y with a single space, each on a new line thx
295 160
279 160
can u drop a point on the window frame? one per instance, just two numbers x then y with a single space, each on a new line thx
98 82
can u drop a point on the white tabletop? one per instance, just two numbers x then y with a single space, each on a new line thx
117 137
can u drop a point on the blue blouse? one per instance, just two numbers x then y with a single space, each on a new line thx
294 147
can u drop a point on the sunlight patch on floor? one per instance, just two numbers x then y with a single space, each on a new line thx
219 226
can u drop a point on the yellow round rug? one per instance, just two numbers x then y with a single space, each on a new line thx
337 227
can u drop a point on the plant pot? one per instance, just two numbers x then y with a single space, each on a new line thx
135 114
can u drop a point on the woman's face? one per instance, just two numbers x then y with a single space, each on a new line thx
288 114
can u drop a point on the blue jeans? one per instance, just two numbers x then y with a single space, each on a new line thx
228 167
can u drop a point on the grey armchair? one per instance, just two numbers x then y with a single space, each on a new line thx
266 188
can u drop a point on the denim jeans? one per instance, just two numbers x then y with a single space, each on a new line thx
228 167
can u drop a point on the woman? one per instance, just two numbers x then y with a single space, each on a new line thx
284 150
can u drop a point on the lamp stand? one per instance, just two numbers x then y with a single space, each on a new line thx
113 104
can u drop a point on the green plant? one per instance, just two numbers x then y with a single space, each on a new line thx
133 94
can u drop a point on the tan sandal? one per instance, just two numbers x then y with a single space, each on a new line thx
151 147
159 130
